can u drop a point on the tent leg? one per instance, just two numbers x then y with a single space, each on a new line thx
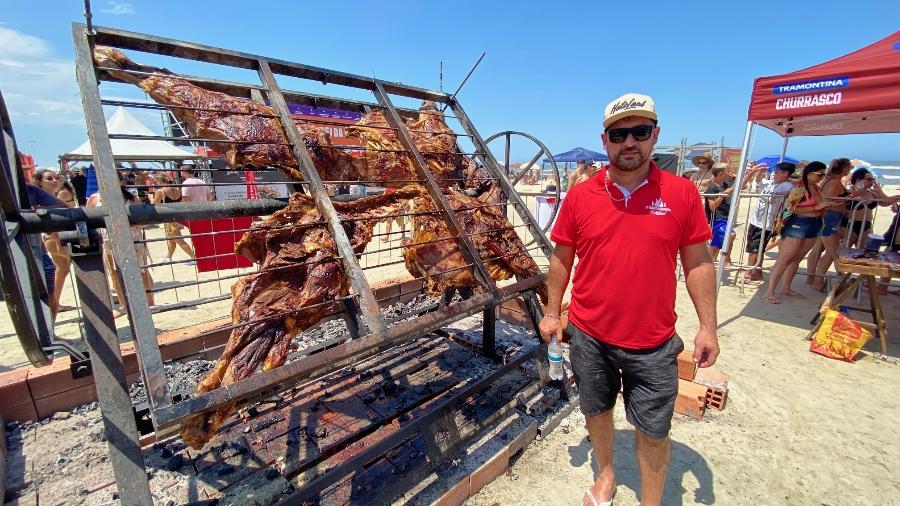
735 203
784 148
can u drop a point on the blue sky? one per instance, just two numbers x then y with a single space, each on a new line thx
549 70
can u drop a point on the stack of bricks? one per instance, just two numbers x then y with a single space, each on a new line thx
699 389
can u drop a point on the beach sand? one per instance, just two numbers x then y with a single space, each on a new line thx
798 428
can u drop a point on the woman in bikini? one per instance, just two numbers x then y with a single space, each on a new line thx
168 194
823 254
52 183
799 235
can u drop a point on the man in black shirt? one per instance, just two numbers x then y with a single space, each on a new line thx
79 182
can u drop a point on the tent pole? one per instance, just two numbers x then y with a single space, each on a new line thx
735 204
784 147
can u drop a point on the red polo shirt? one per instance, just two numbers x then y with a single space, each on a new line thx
623 292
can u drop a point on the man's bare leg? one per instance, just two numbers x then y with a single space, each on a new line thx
600 427
653 459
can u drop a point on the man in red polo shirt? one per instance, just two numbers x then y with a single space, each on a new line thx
627 224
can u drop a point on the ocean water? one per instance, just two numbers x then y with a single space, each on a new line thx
888 172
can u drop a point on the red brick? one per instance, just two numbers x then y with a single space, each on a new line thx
54 378
691 399
395 281
387 294
129 357
175 347
687 369
409 290
716 384
65 401
489 471
14 387
20 413
217 338
456 495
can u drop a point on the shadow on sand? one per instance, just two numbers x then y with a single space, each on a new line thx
683 460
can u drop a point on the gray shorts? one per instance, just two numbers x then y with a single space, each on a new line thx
648 379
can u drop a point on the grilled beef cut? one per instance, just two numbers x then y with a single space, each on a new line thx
442 264
250 134
300 273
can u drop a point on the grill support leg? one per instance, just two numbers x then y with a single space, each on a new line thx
489 332
109 379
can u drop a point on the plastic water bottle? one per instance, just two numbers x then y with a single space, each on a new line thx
554 355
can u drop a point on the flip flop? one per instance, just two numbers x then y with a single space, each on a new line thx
771 300
594 501
63 309
794 294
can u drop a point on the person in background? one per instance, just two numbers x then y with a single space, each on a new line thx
867 195
193 189
627 225
800 232
390 221
703 176
762 220
39 198
718 207
66 193
582 173
167 194
891 243
79 183
52 183
140 251
824 252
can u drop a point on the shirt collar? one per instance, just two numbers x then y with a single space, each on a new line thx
653 177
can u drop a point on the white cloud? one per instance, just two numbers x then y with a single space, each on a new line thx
39 87
118 8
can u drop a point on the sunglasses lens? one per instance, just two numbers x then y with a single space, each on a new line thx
619 135
642 133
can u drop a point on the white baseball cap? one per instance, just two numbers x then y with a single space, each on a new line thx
629 104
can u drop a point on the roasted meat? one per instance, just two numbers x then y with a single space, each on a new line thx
250 134
300 273
442 264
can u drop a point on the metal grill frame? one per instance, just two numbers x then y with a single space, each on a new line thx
375 335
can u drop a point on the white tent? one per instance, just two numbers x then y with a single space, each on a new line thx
123 122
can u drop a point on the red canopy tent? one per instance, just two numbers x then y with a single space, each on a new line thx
856 93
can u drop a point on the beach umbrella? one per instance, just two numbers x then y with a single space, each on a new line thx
857 162
771 160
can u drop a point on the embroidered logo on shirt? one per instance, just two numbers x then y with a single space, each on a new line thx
659 207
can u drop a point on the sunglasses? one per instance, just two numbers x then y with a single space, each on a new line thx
619 135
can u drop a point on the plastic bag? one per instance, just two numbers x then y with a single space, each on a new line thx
839 337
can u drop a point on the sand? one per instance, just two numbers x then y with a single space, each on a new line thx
798 428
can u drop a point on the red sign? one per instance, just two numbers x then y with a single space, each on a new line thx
216 251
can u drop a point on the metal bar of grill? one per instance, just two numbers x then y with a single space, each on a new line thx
465 245
117 224
200 52
372 317
245 90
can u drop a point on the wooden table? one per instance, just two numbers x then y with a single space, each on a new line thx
859 266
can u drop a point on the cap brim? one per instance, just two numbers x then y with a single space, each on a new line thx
624 114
